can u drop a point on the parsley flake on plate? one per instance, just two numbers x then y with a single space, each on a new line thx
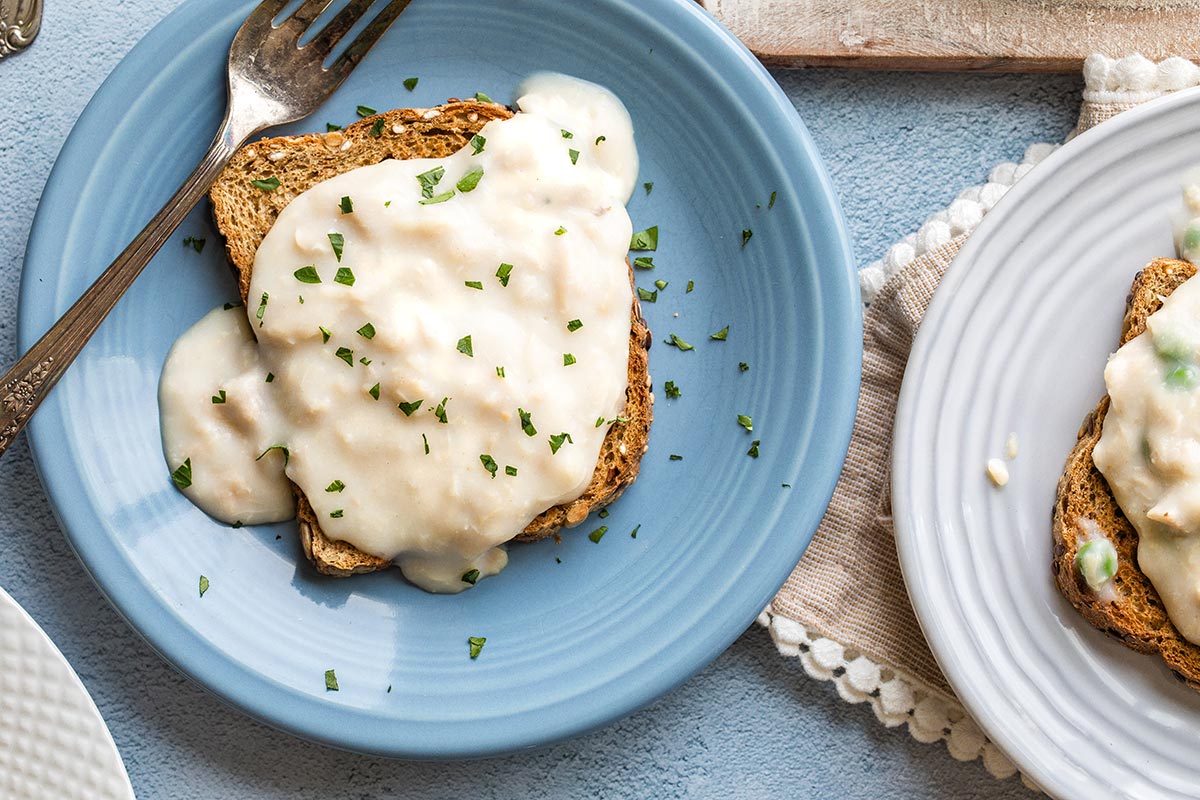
471 576
574 325
745 421
721 335
675 341
345 354
598 534
672 390
366 331
336 486
203 585
195 243
503 273
331 684
374 391
365 111
557 441
287 454
464 346
377 128
645 240
182 476
346 205
345 276
219 397
469 181
267 185
409 408
477 143
410 83
476 642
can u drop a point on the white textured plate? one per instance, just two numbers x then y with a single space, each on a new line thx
53 743
1016 340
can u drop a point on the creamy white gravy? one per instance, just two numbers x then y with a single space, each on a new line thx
1149 450
398 313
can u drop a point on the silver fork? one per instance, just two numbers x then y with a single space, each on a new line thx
272 80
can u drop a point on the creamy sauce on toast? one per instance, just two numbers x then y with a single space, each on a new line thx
433 350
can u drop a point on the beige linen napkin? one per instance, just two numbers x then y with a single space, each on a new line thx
844 611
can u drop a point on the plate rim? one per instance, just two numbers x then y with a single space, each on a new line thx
907 526
841 351
72 679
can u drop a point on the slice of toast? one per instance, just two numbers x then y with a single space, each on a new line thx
245 213
1136 617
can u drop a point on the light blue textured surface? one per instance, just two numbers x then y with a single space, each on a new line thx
751 725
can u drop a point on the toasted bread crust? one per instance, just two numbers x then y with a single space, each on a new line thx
244 214
1137 618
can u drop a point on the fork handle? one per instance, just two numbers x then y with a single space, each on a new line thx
28 381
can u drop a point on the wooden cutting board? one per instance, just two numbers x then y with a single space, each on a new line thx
992 35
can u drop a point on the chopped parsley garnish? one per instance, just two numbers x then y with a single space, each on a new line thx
527 422
691 285
374 391
469 181
440 198
366 331
270 377
301 299
568 359
345 354
365 111
500 372
470 576
477 642
229 306
743 366
598 534
474 285
268 185
307 274
331 684
771 202
567 134
649 187
287 454
489 464
336 486
557 441
337 513
410 83
325 333
377 128
503 273
182 476
366 362
675 341
409 408
574 154
464 346
746 234
262 308
753 451
574 325
721 335
426 441
337 241
440 411
644 262
745 421
661 284
429 180
219 397
561 230
477 142
330 127
603 513
600 139
510 471
483 98
647 295
645 240
599 421
203 585
675 457
195 243
346 205
785 485
345 276
671 389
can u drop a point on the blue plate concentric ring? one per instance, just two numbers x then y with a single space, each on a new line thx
578 633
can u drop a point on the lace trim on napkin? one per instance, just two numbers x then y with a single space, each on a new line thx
897 699
958 218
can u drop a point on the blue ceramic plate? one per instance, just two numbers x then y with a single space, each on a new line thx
570 645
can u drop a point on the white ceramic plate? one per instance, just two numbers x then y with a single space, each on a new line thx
53 743
1015 341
